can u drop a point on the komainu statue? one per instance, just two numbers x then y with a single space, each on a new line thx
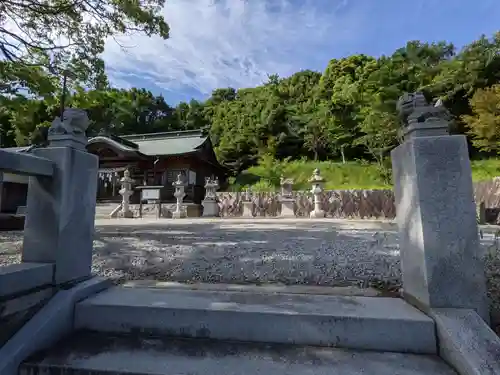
414 108
75 122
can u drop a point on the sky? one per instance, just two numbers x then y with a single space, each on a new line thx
238 43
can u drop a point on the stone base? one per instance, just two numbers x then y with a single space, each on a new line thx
179 214
167 210
247 209
317 214
78 142
126 214
287 208
210 208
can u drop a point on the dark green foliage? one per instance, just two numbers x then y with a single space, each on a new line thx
346 113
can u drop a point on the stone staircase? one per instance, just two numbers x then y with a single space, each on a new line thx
181 331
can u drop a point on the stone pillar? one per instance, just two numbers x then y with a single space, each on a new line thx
126 192
440 257
287 200
210 204
59 225
247 203
179 195
1 190
317 189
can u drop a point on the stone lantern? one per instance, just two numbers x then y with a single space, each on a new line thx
247 203
210 204
179 194
317 189
126 191
287 200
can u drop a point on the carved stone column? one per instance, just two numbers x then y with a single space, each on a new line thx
317 190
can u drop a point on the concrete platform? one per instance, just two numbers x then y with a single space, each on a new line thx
373 323
100 354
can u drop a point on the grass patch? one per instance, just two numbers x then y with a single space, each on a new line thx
352 175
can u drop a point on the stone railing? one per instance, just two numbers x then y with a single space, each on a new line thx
362 204
59 225
17 278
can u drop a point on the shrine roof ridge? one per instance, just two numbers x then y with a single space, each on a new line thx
198 133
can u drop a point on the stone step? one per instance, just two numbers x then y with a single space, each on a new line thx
92 353
275 288
357 322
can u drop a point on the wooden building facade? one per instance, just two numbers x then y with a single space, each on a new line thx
153 159
156 159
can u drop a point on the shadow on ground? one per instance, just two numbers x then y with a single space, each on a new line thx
298 253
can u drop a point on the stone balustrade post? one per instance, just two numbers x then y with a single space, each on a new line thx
59 225
440 258
317 182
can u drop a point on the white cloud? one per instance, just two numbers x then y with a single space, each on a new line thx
221 43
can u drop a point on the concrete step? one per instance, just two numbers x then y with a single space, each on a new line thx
103 354
357 322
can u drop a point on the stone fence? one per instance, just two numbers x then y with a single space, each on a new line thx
364 204
358 204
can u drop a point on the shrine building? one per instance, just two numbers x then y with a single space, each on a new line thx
154 159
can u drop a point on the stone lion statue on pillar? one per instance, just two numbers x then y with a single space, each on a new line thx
74 122
414 108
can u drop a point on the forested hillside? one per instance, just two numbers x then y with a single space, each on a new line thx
345 113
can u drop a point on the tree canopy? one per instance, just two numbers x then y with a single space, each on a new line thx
346 112
38 37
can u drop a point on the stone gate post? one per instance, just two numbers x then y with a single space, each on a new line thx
59 225
440 259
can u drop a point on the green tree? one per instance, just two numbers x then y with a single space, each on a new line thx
484 122
36 35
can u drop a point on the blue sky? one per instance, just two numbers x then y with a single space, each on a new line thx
237 43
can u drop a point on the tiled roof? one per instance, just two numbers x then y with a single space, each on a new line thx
168 143
112 142
153 144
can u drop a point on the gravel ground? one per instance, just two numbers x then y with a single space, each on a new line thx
239 252
332 253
